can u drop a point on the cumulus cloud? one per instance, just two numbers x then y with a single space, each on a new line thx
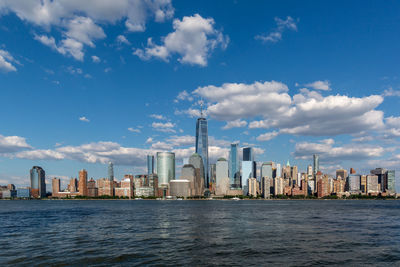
193 39
9 144
6 61
121 39
79 20
320 85
276 35
157 116
330 153
267 136
133 130
235 124
391 92
95 59
84 119
184 95
166 127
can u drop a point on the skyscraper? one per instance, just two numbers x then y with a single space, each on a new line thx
110 171
165 167
150 164
266 169
316 164
38 182
248 154
234 167
82 183
391 181
202 145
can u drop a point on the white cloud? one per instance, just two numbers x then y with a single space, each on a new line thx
193 39
79 21
84 119
166 127
267 136
95 59
276 35
192 113
9 144
41 154
107 70
235 124
149 140
157 116
184 95
133 130
6 61
391 92
330 153
121 39
320 85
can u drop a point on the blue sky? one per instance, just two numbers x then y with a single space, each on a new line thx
83 83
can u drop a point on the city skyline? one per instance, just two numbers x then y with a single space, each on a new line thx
86 86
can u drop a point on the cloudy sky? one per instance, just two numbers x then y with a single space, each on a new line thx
83 83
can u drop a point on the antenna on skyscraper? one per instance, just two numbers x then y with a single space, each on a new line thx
201 107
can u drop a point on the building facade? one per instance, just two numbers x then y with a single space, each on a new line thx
38 182
234 166
165 168
202 146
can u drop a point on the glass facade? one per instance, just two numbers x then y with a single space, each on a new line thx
391 181
247 172
38 181
234 167
110 171
150 164
202 146
266 170
316 164
354 183
248 154
165 167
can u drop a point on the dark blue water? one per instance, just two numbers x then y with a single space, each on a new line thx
195 233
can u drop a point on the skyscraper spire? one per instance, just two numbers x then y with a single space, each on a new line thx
201 108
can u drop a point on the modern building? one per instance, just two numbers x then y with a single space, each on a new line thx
354 182
82 183
342 173
105 187
150 164
92 190
234 167
38 182
294 174
222 177
382 178
179 188
202 145
248 171
23 192
110 171
315 164
372 185
213 177
252 186
165 168
248 154
73 185
278 170
189 173
266 169
391 181
197 161
266 183
55 186
125 189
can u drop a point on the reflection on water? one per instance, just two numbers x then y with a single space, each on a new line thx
291 233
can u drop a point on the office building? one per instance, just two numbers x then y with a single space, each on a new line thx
354 182
165 168
294 174
189 173
202 145
248 171
110 171
278 170
363 184
23 192
315 164
352 171
267 170
197 161
55 186
105 187
341 173
180 188
92 190
248 154
234 167
391 181
266 183
38 182
252 186
372 185
73 185
150 164
82 183
382 178
222 177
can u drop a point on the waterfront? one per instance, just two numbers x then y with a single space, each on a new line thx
283 232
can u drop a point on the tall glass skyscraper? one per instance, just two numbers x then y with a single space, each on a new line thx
38 182
110 171
234 167
150 164
316 164
165 167
202 145
248 154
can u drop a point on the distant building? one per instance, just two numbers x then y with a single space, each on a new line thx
382 177
278 170
363 184
73 185
110 171
189 173
341 173
23 192
125 189
248 171
92 190
82 184
197 161
248 154
354 181
56 185
201 145
165 168
180 188
266 186
372 185
391 181
38 182
252 186
213 177
278 186
315 164
323 187
294 174
234 166
352 171
267 169
105 187
222 177
150 164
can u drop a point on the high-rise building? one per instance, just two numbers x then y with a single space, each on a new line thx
382 179
202 145
73 185
354 182
222 177
278 170
352 171
248 154
38 182
165 168
294 174
110 171
391 181
266 169
150 164
309 170
82 184
252 186
372 185
197 161
189 173
266 182
92 190
248 168
363 184
212 177
341 173
315 164
234 167
55 186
